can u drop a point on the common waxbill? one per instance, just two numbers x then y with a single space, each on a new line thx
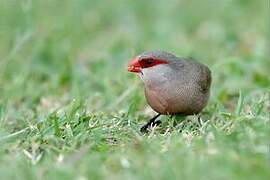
172 85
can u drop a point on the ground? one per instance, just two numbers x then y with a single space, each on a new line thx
70 110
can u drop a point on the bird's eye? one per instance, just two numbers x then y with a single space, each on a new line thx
149 61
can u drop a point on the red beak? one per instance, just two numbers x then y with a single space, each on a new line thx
134 66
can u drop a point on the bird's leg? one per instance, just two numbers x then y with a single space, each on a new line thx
199 120
151 122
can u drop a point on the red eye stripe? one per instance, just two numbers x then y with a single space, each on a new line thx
149 62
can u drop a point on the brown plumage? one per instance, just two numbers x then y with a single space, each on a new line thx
173 85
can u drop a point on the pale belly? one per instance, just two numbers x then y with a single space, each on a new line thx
184 101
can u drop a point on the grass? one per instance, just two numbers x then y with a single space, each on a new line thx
70 110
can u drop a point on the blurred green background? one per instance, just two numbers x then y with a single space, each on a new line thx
69 109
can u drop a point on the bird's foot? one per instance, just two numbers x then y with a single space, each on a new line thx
145 127
151 123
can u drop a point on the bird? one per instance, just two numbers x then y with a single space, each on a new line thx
172 85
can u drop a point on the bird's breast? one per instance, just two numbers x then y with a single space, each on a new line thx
157 100
169 91
176 99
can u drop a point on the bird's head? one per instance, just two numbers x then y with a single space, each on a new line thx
149 60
